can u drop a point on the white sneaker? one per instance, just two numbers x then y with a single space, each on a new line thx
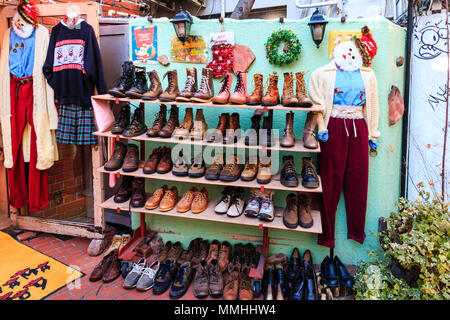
135 274
237 203
225 202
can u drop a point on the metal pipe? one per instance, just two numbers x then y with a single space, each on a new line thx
315 5
222 12
405 123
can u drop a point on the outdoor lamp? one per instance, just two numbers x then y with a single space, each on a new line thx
317 24
182 24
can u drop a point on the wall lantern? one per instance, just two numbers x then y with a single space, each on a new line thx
182 24
317 24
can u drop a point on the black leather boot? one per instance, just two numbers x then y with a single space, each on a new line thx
294 267
123 120
310 179
137 125
125 82
140 85
267 138
252 137
345 278
288 176
328 272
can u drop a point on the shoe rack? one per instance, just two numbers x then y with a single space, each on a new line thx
209 214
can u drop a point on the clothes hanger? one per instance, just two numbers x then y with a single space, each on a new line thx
72 15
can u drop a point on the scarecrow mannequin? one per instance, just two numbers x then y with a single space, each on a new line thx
27 111
347 89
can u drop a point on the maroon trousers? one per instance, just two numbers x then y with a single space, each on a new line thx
35 191
344 162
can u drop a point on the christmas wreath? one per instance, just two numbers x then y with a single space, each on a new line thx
291 49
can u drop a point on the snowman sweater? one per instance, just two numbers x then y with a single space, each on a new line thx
73 67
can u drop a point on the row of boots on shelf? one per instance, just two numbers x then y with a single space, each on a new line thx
228 129
133 83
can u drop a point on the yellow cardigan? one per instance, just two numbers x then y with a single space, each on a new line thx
45 116
321 91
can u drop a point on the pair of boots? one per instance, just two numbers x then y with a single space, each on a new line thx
161 126
204 93
240 91
309 140
133 83
228 129
253 136
300 99
123 125
188 127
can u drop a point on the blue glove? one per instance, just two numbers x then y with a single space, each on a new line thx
373 144
323 136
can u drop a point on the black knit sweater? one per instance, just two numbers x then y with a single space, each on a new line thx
73 67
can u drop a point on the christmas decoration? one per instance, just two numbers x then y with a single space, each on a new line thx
222 59
291 49
28 11
366 45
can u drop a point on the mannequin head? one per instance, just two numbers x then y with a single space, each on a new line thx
21 27
347 56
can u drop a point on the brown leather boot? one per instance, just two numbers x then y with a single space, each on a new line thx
182 131
206 90
152 161
165 164
190 86
288 139
288 98
131 161
309 140
231 289
169 200
155 86
116 160
113 269
172 123
172 89
159 122
213 253
305 219
215 279
155 199
290 214
255 97
302 95
199 128
225 89
224 256
232 134
272 96
240 94
224 121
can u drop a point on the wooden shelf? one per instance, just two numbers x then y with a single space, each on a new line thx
210 215
298 147
315 108
273 185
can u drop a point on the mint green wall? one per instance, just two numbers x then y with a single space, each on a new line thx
384 169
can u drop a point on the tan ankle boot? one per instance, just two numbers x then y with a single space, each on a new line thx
172 89
288 139
288 98
190 86
155 89
206 90
272 96
309 140
302 95
200 126
185 126
255 97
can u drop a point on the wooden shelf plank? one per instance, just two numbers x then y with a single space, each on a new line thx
273 185
315 108
298 147
210 215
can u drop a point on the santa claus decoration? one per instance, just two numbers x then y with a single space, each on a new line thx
347 90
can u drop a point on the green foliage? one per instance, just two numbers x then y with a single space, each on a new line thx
291 50
417 238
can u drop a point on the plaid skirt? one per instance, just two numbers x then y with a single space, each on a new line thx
75 125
